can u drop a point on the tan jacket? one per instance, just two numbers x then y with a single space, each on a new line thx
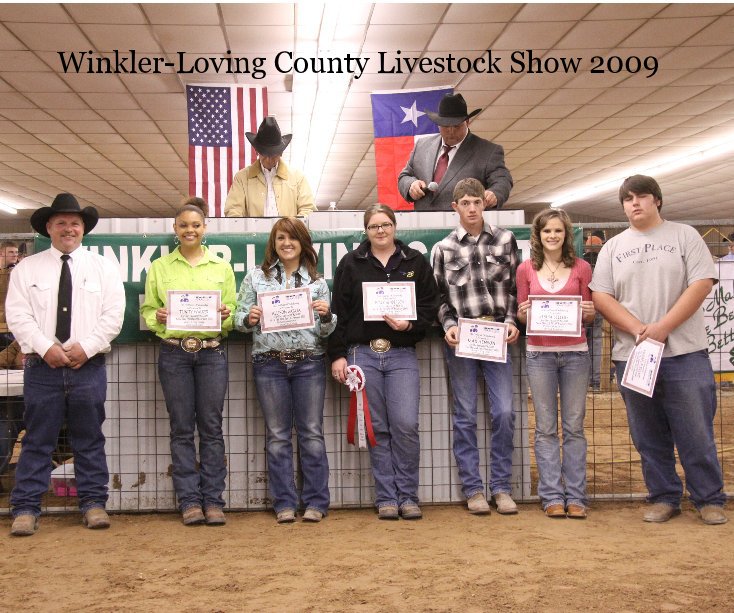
246 197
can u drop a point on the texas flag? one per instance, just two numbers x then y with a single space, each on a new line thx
399 119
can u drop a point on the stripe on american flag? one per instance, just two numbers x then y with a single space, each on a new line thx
219 116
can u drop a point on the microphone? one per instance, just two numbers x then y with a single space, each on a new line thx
432 186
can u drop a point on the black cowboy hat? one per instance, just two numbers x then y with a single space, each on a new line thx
451 111
268 140
64 203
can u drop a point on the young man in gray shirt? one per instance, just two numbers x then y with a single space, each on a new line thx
649 283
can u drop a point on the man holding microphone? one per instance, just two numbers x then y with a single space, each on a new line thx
439 161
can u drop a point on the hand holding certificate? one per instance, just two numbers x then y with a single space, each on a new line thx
554 316
194 311
642 367
288 309
395 299
482 340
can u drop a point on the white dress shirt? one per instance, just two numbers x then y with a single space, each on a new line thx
271 206
97 303
452 151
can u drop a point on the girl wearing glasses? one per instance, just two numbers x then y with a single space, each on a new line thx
385 351
557 363
289 370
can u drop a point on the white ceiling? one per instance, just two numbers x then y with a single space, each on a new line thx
119 142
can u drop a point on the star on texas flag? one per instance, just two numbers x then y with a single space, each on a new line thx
412 114
399 119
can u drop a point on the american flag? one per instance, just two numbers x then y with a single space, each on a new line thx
219 116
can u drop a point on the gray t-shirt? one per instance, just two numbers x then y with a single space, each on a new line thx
646 272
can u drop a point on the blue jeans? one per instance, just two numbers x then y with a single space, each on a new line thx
194 386
680 414
560 481
594 342
52 395
392 383
463 373
288 393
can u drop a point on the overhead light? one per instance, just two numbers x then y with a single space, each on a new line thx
664 166
332 91
318 98
8 209
303 85
582 194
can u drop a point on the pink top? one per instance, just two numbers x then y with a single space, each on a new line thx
576 285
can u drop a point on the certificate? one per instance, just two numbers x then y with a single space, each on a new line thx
288 309
642 367
395 299
554 316
194 311
482 340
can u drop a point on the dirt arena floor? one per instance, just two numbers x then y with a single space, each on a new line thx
449 561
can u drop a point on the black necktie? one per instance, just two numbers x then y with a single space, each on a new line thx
63 311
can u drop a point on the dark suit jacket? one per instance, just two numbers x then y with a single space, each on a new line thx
477 157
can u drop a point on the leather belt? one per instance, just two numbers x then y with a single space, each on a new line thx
289 356
380 345
192 344
36 356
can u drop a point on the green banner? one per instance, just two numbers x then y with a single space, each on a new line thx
134 254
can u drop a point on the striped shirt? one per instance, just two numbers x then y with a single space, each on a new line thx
476 276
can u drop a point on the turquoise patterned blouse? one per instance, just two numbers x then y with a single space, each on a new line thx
313 339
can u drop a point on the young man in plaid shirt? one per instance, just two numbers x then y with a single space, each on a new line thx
475 269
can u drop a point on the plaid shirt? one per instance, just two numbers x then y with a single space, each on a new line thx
476 277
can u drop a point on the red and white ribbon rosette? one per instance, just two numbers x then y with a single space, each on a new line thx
359 410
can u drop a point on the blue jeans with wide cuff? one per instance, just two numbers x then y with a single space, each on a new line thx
560 481
194 386
288 394
680 414
392 383
53 395
463 373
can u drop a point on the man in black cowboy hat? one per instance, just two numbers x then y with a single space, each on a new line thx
65 305
268 188
438 162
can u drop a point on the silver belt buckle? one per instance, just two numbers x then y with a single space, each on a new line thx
191 344
486 318
380 345
289 357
